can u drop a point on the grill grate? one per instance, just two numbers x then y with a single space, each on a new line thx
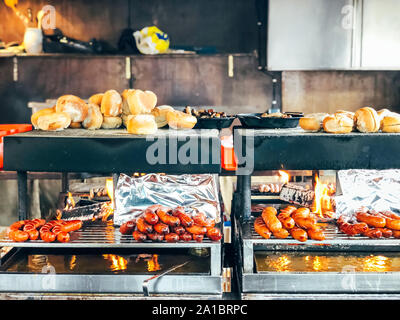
333 238
104 235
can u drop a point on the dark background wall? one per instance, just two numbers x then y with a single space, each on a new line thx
228 25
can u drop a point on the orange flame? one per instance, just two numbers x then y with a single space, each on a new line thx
117 263
70 202
152 264
285 176
322 201
109 207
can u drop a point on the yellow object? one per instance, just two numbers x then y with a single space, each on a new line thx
151 40
11 3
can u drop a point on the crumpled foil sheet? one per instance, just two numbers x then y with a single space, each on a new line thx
192 191
373 189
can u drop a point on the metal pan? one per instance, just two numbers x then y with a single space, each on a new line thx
254 120
214 123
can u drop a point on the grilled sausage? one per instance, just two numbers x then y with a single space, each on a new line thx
201 219
63 237
316 234
33 234
163 214
261 228
286 220
143 226
299 234
386 233
196 229
281 234
179 230
270 219
139 236
48 236
171 237
371 220
155 236
18 235
306 223
373 233
198 237
71 225
214 234
161 228
396 234
351 229
127 227
187 236
184 218
301 213
150 217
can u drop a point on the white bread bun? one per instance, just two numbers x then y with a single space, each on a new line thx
125 104
391 122
382 113
180 120
38 114
160 115
111 104
94 119
338 124
55 121
96 98
111 122
141 102
312 122
74 106
367 120
141 124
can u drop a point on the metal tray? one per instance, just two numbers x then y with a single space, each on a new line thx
254 120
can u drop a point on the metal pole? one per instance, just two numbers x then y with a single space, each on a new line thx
22 177
64 182
245 197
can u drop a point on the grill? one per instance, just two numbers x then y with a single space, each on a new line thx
293 149
112 152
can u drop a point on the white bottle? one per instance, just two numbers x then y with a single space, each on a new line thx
33 40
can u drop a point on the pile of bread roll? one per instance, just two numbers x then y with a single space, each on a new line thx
134 108
366 120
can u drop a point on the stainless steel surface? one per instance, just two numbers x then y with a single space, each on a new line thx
318 296
145 284
380 34
95 284
314 35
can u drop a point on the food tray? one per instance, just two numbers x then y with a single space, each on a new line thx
214 123
254 120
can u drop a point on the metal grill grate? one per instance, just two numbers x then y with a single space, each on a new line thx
104 236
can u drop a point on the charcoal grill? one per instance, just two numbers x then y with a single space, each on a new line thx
294 149
110 152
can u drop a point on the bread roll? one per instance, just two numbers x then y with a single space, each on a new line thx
40 113
337 124
74 106
312 122
382 113
75 125
160 115
111 104
54 121
125 104
367 120
111 122
141 102
96 98
180 120
94 118
141 124
391 122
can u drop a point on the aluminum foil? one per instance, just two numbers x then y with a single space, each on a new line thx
192 191
374 189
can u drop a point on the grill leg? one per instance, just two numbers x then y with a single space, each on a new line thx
64 182
248 257
115 177
215 260
245 196
22 177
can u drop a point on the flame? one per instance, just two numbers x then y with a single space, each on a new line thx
284 176
152 264
70 202
322 201
109 207
117 263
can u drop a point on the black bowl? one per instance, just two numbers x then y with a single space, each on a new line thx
214 123
254 120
